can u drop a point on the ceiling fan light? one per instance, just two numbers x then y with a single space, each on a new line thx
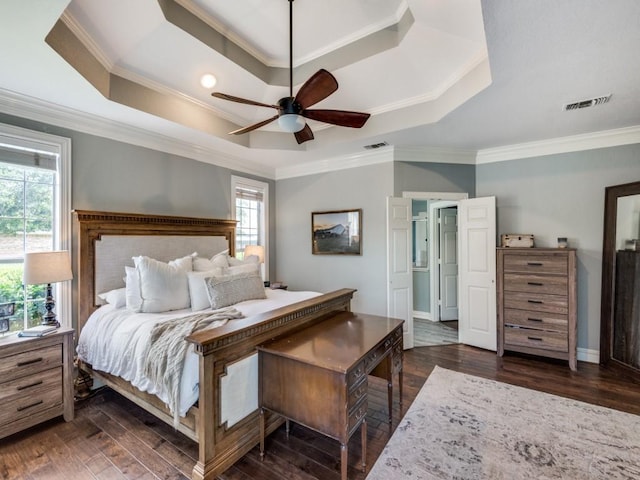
291 122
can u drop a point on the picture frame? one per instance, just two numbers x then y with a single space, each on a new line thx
336 232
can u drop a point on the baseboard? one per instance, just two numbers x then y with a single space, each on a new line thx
422 315
588 355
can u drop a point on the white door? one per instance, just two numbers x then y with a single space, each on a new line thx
399 268
448 226
477 272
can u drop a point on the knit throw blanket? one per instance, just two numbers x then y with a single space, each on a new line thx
168 347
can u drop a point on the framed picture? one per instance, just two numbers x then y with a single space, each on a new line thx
336 233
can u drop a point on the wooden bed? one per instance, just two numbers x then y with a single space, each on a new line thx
219 350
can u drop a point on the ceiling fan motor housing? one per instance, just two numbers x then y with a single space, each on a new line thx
289 106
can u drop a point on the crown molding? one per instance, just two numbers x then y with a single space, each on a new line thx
435 155
34 109
364 159
575 143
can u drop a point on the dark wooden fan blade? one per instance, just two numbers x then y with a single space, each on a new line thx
254 126
231 98
304 135
338 117
318 87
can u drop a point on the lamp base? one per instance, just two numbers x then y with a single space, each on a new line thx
49 317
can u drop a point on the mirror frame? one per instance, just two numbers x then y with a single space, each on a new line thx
612 194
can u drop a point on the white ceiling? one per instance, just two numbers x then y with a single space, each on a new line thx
462 74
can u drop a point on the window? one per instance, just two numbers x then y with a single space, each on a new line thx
34 216
250 210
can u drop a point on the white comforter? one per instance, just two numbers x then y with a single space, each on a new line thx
114 341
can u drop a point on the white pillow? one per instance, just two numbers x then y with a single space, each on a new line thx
163 286
133 300
217 261
116 297
243 268
198 288
251 259
225 290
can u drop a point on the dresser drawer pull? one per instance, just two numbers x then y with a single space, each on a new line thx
537 339
535 301
535 264
24 387
29 362
534 319
20 409
535 284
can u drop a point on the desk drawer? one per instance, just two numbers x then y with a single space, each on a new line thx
372 359
515 282
27 363
356 375
356 415
526 337
536 320
537 302
357 393
536 264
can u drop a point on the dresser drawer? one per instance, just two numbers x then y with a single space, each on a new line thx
515 282
30 362
538 302
33 400
536 320
536 339
536 264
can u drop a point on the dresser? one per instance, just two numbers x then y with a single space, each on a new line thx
537 302
36 380
318 376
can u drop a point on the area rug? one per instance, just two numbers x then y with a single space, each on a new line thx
465 427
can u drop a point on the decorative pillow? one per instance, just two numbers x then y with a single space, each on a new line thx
198 288
232 288
116 297
133 300
251 259
163 286
206 265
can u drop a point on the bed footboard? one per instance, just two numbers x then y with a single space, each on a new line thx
233 347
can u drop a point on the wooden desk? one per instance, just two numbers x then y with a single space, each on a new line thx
318 376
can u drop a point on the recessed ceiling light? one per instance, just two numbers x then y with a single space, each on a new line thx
208 80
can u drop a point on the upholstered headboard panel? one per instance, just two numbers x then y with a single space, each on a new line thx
106 241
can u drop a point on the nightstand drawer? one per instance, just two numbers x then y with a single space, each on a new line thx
30 385
526 337
30 362
536 320
36 400
539 302
536 264
556 285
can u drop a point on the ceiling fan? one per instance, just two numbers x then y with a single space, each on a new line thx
292 111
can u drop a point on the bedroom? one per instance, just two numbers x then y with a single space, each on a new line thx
548 192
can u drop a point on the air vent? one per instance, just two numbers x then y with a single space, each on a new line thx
376 145
592 102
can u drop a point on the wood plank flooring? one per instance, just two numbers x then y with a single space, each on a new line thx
111 438
427 333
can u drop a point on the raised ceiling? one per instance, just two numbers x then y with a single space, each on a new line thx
460 74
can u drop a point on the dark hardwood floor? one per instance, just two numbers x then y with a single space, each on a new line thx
111 438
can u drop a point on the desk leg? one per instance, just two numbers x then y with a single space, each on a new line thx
261 434
287 427
363 432
344 455
400 385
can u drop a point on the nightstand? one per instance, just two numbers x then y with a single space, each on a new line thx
278 286
36 380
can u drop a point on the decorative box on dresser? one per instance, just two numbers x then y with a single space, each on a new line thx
537 302
36 380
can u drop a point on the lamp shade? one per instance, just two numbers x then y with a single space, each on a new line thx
47 267
257 250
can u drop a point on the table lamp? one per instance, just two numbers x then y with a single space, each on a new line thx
47 267
258 251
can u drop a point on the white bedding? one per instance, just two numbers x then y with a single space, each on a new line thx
114 341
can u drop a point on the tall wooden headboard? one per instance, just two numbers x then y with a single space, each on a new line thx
90 227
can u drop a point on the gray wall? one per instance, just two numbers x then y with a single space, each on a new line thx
433 177
365 188
563 196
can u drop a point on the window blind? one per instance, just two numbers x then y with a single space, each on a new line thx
27 158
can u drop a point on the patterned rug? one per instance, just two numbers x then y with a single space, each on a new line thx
465 427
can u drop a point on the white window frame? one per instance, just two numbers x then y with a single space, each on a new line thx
61 147
237 181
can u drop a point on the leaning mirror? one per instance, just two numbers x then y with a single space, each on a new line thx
620 314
